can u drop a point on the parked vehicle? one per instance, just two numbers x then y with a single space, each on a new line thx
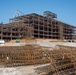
2 42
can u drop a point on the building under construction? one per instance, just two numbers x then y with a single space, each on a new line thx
38 26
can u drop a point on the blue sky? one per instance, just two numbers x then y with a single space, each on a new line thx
65 9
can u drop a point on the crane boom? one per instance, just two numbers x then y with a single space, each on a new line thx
19 13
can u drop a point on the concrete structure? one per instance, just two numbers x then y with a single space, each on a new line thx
38 26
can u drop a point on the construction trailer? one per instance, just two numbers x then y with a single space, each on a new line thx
39 26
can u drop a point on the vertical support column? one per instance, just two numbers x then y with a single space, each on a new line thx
55 30
47 28
28 27
33 27
51 29
19 32
1 32
38 26
73 33
61 31
43 27
11 32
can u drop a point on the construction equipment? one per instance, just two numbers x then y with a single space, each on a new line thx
19 12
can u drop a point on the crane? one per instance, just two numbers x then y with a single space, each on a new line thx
19 13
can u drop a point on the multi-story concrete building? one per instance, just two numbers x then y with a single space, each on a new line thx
38 26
